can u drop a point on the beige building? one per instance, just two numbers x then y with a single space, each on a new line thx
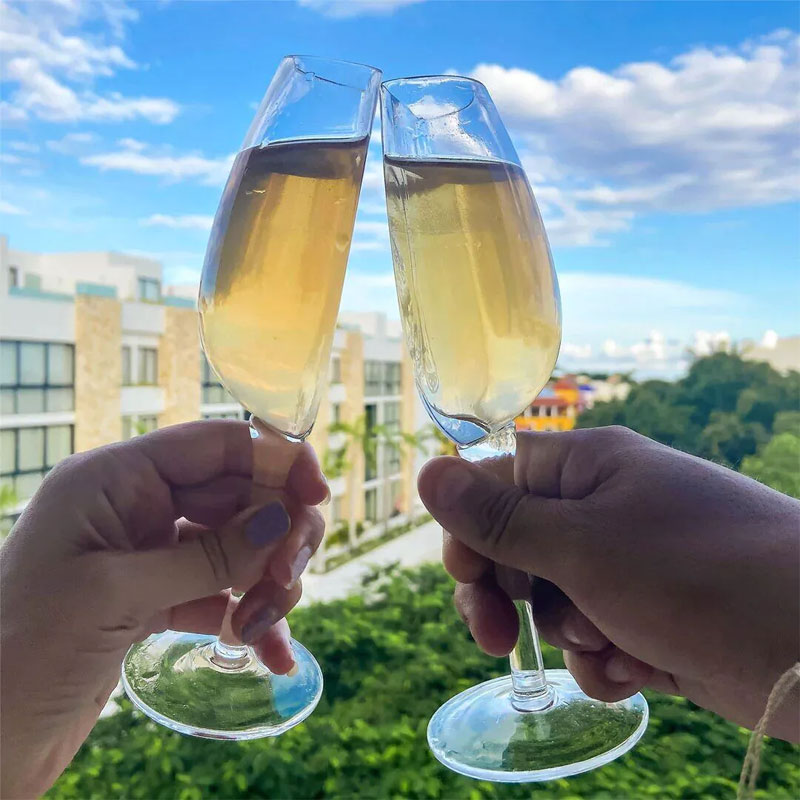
95 349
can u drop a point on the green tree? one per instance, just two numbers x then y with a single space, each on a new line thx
777 464
727 439
723 409
787 422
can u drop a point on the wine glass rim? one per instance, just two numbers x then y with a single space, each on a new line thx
440 76
295 56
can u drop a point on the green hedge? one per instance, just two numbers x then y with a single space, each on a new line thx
390 657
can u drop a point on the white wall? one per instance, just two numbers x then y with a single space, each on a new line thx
143 318
61 272
39 320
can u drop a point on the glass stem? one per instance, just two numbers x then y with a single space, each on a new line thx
228 651
528 679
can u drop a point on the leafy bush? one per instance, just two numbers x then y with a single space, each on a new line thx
391 656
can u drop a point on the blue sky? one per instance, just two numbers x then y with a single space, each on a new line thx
661 140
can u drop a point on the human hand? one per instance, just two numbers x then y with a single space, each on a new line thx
134 538
660 569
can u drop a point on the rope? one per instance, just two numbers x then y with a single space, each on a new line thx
752 759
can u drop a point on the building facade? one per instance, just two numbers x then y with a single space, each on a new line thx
95 350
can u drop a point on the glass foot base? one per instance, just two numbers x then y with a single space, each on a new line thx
173 678
480 734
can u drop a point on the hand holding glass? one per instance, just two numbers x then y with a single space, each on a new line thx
269 296
481 315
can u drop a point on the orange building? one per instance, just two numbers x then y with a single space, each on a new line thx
555 409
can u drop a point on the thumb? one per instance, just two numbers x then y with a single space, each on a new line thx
495 518
232 556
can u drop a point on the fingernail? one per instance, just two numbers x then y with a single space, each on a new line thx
618 669
327 498
453 483
259 624
294 670
268 525
298 565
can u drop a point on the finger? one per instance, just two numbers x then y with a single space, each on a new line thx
609 675
213 502
539 462
197 452
292 557
215 559
274 649
462 562
188 531
499 520
261 608
570 465
198 616
560 623
489 614
306 481
281 464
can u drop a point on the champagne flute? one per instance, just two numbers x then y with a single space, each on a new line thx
481 316
269 297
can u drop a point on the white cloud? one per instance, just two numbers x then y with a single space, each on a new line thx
9 158
24 147
713 128
71 143
341 9
10 208
45 48
136 157
604 316
200 222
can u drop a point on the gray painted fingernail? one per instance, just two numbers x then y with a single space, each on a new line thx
259 624
268 525
299 564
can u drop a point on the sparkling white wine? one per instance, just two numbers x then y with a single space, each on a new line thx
273 275
475 283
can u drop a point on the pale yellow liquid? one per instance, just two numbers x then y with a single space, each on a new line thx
476 285
273 274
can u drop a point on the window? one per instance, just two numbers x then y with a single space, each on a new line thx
149 290
213 391
392 377
371 505
127 375
336 413
26 454
336 370
370 459
13 277
148 366
36 377
391 415
32 363
391 423
373 371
